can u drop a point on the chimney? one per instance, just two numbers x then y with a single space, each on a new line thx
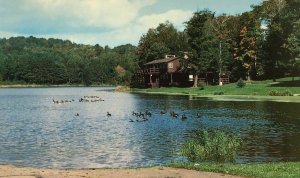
169 56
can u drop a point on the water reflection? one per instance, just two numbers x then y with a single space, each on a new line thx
36 132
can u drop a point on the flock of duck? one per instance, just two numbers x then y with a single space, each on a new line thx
139 116
90 99
82 99
145 116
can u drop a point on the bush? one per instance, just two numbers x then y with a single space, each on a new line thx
287 93
201 86
274 93
216 146
277 93
218 93
240 83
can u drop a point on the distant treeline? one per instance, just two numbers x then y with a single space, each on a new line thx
263 43
54 61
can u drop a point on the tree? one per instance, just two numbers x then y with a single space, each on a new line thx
164 39
222 29
279 17
55 61
292 17
247 45
201 42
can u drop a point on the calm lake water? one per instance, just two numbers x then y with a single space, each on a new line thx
36 132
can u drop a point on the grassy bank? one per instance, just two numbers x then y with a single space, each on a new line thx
254 88
265 170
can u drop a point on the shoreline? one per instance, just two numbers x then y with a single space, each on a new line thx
157 172
230 97
294 99
49 86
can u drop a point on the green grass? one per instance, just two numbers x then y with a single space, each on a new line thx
211 145
265 170
261 88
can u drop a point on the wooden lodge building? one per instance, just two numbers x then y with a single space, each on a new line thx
171 71
164 72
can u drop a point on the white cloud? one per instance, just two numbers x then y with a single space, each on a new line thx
131 33
95 13
104 22
177 17
74 13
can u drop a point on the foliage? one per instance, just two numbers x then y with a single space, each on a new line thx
259 44
158 42
201 86
280 17
53 61
218 93
263 170
211 146
240 83
277 93
203 44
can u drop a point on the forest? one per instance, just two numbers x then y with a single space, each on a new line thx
54 61
263 43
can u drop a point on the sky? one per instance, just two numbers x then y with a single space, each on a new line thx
103 22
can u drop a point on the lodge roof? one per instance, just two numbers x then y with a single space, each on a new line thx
165 60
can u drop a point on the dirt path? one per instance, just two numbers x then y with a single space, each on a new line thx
157 172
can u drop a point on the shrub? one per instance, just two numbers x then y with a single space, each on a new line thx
218 93
201 86
277 93
216 146
240 83
274 93
287 93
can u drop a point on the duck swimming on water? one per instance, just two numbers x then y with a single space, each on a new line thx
162 112
174 114
183 117
147 113
198 115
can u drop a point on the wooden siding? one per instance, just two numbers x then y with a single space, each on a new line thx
176 66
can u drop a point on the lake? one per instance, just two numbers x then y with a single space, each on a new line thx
36 132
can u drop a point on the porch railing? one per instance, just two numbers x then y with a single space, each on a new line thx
152 70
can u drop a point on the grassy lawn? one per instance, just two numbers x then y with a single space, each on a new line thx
261 88
265 170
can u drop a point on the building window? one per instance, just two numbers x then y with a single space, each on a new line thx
191 78
170 65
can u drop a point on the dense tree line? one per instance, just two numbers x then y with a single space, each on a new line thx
54 61
263 43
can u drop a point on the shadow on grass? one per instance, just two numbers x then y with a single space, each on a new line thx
295 83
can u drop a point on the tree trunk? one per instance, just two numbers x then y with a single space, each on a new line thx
273 75
248 75
274 71
196 81
220 63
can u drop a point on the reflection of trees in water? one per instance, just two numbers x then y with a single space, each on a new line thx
161 136
277 137
270 130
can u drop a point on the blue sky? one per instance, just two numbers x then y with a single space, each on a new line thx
103 22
